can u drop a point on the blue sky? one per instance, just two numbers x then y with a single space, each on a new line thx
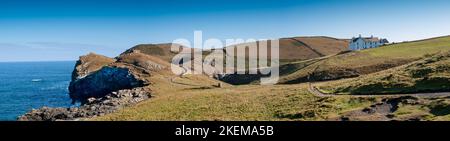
49 30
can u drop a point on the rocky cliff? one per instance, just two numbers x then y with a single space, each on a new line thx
90 63
102 82
103 85
130 70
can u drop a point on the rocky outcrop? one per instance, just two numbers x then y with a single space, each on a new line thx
102 82
144 61
382 111
104 85
96 76
92 108
88 64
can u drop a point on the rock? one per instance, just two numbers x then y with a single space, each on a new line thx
45 114
369 110
94 106
103 85
344 118
103 82
390 115
90 100
379 103
88 64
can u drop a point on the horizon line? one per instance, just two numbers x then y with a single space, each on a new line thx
32 61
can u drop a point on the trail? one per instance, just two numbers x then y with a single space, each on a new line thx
309 47
185 71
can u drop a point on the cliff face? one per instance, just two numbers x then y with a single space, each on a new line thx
96 76
103 85
102 82
93 107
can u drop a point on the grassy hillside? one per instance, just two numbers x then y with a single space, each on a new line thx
314 58
162 51
291 49
431 74
295 53
325 45
250 102
368 61
303 48
195 97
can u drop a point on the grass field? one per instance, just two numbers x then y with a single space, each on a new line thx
201 101
249 102
414 49
431 74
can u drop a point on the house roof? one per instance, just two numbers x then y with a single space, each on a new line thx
367 39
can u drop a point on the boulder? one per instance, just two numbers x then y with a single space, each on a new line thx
95 107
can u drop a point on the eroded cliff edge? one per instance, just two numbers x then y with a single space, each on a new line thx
103 85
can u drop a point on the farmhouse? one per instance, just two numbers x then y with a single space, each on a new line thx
366 42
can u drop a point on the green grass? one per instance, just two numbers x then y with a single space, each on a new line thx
412 49
440 107
368 61
431 74
406 111
252 102
428 109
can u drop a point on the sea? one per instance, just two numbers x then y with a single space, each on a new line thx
31 85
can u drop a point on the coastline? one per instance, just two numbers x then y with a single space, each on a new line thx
94 107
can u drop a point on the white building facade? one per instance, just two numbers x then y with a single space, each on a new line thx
361 43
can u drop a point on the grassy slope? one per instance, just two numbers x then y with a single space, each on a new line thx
251 102
290 49
295 48
368 61
325 45
295 53
430 109
431 74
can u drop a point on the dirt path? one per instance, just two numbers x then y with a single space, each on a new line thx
172 79
312 89
309 47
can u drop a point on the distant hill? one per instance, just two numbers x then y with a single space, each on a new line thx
304 48
353 64
291 49
157 50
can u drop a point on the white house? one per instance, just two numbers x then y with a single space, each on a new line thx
366 42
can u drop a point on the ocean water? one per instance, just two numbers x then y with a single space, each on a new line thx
27 85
